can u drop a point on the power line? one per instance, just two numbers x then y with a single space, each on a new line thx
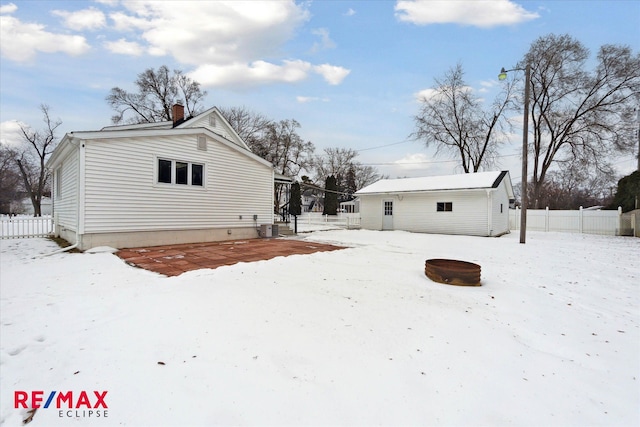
315 187
386 145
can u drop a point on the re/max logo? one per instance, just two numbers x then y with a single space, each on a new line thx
23 399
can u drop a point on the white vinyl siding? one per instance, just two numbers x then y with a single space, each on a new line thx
500 210
215 124
417 212
122 192
65 198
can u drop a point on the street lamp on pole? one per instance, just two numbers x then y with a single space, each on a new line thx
525 146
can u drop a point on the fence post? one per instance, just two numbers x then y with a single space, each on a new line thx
620 221
580 218
546 219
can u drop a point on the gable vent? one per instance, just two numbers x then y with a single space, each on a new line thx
202 143
212 120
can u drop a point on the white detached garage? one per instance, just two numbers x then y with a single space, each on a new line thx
473 204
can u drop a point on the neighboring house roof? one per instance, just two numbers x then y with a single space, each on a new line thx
467 181
282 179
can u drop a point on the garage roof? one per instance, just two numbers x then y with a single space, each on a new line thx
464 181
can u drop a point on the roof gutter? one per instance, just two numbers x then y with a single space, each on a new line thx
387 193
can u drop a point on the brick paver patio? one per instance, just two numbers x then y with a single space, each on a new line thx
172 260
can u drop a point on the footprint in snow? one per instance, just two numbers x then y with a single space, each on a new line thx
16 351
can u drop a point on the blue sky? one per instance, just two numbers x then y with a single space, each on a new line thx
348 71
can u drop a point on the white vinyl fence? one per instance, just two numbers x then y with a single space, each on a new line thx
19 226
605 222
316 220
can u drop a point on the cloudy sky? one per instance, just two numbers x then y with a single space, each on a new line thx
348 71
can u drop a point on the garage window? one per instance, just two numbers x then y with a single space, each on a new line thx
444 207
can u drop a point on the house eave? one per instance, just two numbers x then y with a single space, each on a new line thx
444 190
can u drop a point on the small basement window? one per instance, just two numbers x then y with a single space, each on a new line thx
444 207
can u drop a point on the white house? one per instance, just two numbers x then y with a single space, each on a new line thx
184 181
474 204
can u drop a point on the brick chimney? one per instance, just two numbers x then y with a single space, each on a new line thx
177 111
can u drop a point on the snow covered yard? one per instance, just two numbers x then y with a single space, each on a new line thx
352 337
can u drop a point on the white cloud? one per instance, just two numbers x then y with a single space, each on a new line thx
86 19
486 85
124 22
489 83
214 32
8 8
306 99
123 47
425 94
10 133
325 41
255 73
227 41
334 75
108 2
20 41
413 161
428 94
350 12
479 13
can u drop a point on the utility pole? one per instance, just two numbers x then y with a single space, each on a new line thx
638 115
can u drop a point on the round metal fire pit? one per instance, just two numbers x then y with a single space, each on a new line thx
452 272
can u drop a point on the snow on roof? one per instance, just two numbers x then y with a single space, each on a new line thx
432 183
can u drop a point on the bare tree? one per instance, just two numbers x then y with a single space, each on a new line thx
250 126
10 179
334 162
31 160
341 163
576 185
454 120
578 115
366 175
286 150
158 91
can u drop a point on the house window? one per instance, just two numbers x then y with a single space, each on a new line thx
59 182
182 170
164 171
196 174
182 173
444 207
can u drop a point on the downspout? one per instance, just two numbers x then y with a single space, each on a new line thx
80 167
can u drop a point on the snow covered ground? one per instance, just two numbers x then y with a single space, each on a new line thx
352 337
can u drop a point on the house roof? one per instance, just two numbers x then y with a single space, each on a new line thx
67 143
191 126
229 133
466 181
